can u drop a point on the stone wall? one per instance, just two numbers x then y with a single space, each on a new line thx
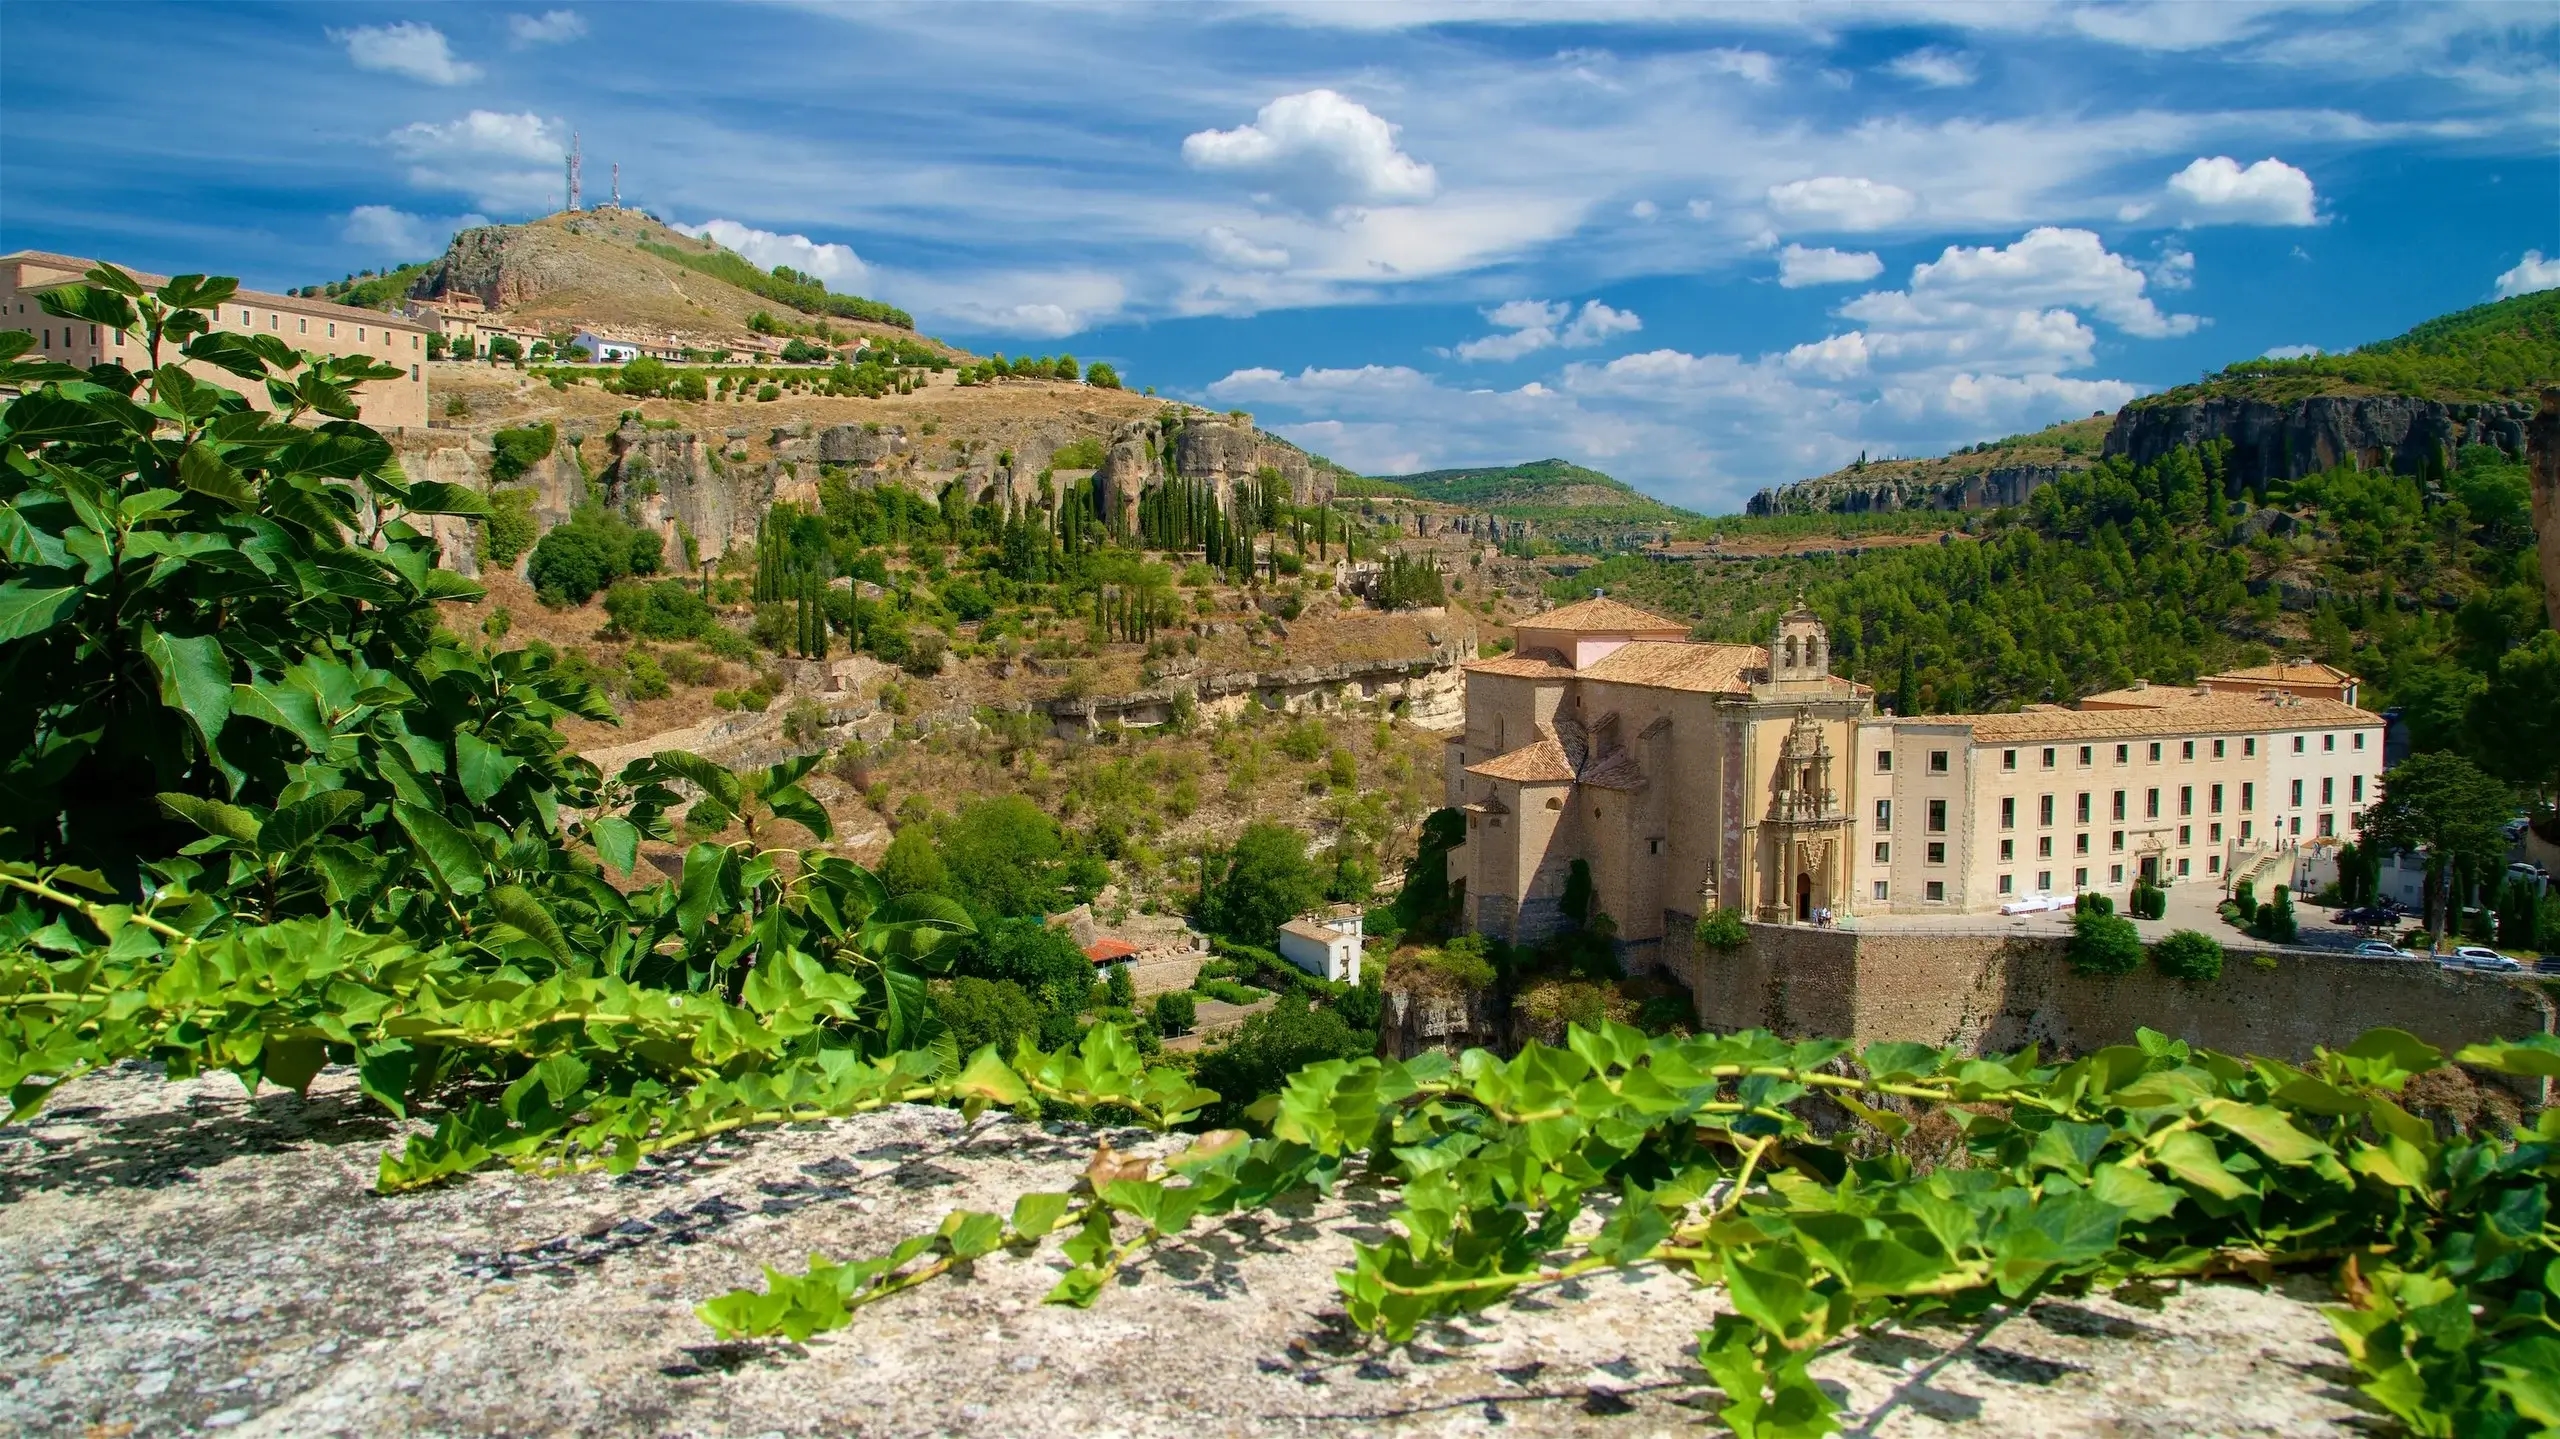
1987 992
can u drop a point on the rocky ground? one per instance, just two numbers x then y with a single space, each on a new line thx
175 1259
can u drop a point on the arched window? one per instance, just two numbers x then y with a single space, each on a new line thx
1791 652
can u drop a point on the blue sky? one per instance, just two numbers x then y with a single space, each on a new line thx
1704 248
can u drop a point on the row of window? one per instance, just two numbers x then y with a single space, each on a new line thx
1938 758
1935 851
1937 821
1935 890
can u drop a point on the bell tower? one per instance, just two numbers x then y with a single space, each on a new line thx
1801 648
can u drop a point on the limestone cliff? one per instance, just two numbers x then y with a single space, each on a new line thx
1988 476
2272 442
1221 449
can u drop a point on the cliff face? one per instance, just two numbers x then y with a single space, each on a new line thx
2275 442
1983 490
1217 448
665 479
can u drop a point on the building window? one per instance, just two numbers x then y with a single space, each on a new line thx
2213 833
1937 761
2008 812
2151 803
2248 800
2328 791
2084 807
2044 809
2079 879
1937 816
2359 739
2187 749
2084 756
2186 834
2079 844
2297 794
1884 815
2297 744
2124 754
2115 874
1884 761
1936 852
1653 845
1937 892
2213 799
2182 868
2327 828
302 327
2117 812
2328 744
2044 846
2008 850
2005 886
2155 751
2115 841
2217 749
1884 852
2213 864
2044 880
2355 788
333 329
413 372
1880 889
2297 824
2048 755
2008 759
2245 827
2186 799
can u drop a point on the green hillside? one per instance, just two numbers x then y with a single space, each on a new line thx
1548 490
2487 352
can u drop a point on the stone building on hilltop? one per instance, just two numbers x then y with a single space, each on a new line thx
1683 777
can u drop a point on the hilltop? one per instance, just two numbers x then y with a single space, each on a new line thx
622 270
2503 350
1984 476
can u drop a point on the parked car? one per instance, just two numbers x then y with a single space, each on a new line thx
2036 904
2371 916
2547 964
2383 949
2481 958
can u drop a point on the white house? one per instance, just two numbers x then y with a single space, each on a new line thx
604 351
1325 944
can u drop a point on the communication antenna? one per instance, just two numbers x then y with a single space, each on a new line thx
617 184
573 170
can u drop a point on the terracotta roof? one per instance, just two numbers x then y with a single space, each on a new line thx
1604 616
2287 674
2144 696
1680 665
293 303
2212 714
1527 666
1107 951
1617 770
1538 762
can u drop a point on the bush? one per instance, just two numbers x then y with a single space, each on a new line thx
589 553
1462 959
2275 919
2187 954
1173 1013
642 678
1722 929
666 610
1271 1046
2093 903
2104 944
2246 896
1228 991
514 451
985 1011
2149 901
925 649
1266 882
510 529
1303 741
768 391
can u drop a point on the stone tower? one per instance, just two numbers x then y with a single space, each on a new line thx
1801 649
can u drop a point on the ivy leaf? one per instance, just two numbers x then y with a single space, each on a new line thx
1038 1212
2191 1157
2266 1128
971 1233
292 1063
297 826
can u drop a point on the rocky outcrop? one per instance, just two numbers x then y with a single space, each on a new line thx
1989 489
2276 442
478 260
1221 449
1421 1021
2545 478
1428 690
861 446
665 479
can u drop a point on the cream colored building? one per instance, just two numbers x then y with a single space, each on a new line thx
1686 776
316 326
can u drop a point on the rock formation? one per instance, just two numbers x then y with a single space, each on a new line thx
665 479
1221 449
2545 456
2273 442
1846 494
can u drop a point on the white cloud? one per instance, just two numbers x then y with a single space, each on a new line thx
1841 202
504 162
1317 151
2302 352
383 230
406 48
2218 191
1838 357
1644 209
551 27
2046 267
1527 326
1700 209
1037 304
2175 269
838 265
1799 267
1750 65
2530 274
1935 67
1228 247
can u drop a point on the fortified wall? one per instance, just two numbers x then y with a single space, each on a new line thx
1988 992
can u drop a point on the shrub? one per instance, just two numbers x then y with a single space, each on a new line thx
804 720
689 667
642 678
2092 903
1266 881
1227 991
982 1011
2149 901
589 553
514 451
666 610
2187 954
1271 1046
2246 896
1303 741
1462 959
924 652
2275 921
768 391
510 529
1174 1013
1722 929
2103 943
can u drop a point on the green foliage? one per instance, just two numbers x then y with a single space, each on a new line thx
514 451
2508 347
2148 900
2143 1162
2104 944
1462 959
1536 490
1722 929
2446 805
370 291
1270 1047
510 528
594 549
2188 954
1174 1013
1084 452
805 293
1262 883
1407 584
2275 921
1428 904
1102 376
981 1012
666 610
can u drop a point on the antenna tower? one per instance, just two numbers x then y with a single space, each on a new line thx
617 184
573 170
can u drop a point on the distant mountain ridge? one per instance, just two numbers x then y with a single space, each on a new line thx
1536 490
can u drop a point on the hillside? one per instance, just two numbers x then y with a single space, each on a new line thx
621 269
1984 476
2497 351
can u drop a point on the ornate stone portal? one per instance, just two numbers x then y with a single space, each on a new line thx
1804 835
